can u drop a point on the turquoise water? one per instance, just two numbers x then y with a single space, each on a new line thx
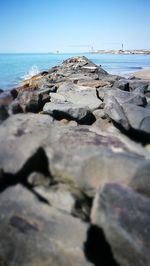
15 67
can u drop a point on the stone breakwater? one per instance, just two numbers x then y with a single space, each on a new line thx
75 169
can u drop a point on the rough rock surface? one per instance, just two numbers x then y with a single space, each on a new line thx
75 169
124 217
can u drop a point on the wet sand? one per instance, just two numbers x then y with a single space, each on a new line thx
144 74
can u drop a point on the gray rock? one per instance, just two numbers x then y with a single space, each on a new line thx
115 111
123 97
80 95
69 111
33 233
73 155
134 84
57 98
138 117
124 217
141 183
67 198
124 110
21 136
131 85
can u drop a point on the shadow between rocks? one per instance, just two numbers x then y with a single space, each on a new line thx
135 135
38 162
96 248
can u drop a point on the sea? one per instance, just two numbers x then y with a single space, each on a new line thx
16 67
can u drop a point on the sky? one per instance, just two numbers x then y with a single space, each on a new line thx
73 25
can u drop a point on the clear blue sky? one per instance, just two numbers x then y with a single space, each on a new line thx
70 25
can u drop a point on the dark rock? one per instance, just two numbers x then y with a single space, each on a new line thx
122 84
69 111
32 101
124 217
15 108
3 113
115 111
138 84
14 93
1 90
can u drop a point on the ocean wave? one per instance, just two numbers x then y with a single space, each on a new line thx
32 72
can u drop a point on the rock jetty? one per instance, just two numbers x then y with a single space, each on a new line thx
75 169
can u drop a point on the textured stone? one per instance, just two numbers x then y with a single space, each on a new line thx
124 217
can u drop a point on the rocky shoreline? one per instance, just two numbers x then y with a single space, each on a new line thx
75 169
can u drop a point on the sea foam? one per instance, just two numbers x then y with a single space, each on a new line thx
32 72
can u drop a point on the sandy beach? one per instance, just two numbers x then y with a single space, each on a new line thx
144 74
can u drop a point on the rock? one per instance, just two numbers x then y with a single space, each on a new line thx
1 91
69 111
68 154
124 97
140 183
85 97
14 93
134 84
25 134
99 113
3 113
78 69
94 83
125 112
67 198
122 84
115 111
38 179
124 217
15 108
109 159
5 98
48 90
57 98
131 84
138 117
32 102
42 234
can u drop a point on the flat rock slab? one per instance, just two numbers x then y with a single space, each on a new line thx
81 95
124 217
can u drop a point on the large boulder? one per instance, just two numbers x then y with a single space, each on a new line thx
124 217
84 96
33 233
73 155
70 111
